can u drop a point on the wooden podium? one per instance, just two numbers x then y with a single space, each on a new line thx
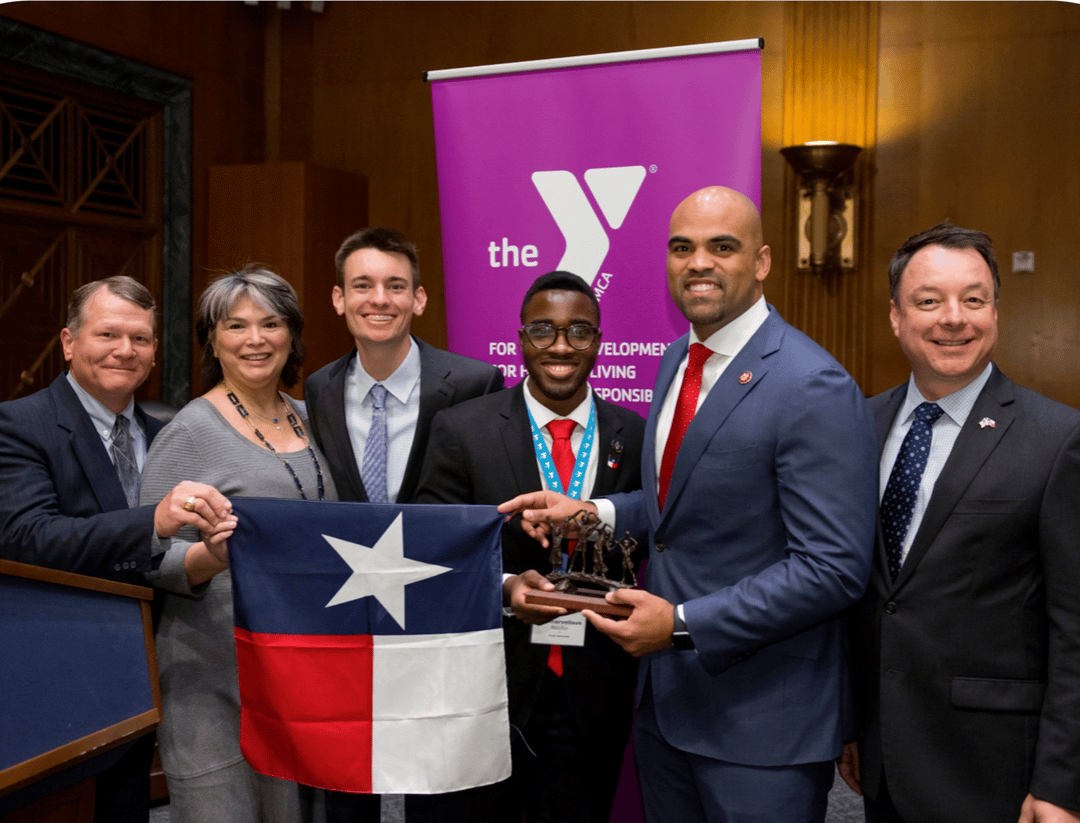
79 677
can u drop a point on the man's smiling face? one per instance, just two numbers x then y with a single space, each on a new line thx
716 261
945 317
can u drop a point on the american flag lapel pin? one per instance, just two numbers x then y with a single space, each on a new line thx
986 421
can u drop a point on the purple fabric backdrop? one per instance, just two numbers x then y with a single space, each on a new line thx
580 168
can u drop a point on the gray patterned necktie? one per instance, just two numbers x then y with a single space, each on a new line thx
373 467
123 453
898 502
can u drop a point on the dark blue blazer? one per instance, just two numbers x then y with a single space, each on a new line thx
62 504
766 537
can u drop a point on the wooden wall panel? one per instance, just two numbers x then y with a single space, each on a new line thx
977 118
218 45
291 217
372 111
979 122
830 93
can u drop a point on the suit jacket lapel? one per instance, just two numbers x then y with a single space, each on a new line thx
973 446
88 448
609 432
883 420
750 364
436 394
337 446
516 436
650 460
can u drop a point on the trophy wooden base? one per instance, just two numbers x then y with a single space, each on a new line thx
579 601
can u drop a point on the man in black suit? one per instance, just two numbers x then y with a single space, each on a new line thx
64 504
393 382
378 292
967 644
570 715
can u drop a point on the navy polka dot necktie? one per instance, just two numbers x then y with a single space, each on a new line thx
898 502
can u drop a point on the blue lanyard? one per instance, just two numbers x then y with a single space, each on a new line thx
547 465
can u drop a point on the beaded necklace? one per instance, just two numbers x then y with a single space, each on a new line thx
296 427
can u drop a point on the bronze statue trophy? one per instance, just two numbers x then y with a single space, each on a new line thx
585 581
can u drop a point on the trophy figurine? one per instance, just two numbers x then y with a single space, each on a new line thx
585 582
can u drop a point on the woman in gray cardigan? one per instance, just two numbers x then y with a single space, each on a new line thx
245 438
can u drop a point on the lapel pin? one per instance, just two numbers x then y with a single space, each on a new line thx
986 421
746 377
613 455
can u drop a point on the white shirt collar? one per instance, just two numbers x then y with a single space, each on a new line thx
101 415
731 337
543 415
400 384
957 405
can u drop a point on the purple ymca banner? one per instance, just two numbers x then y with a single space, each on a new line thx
579 168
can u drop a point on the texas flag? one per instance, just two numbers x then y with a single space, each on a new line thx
369 644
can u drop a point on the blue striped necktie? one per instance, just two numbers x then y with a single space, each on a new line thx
373 467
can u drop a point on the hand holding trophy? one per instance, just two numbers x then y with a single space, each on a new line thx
583 583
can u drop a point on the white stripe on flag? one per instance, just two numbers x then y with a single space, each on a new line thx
439 713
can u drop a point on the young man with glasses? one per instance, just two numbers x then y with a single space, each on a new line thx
570 687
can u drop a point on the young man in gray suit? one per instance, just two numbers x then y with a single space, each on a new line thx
966 644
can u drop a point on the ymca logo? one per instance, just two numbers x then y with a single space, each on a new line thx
587 243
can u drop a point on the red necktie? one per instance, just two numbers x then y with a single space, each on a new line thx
684 413
562 454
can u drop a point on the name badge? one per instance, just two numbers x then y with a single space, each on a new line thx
568 630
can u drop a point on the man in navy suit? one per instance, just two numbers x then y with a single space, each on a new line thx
966 644
64 505
378 292
570 703
760 521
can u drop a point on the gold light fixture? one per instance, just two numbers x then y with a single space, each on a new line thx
827 206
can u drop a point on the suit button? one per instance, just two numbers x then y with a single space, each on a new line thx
660 547
890 607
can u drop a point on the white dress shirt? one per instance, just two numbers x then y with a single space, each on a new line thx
724 343
580 415
402 412
956 407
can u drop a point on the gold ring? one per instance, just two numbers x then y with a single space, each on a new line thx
189 504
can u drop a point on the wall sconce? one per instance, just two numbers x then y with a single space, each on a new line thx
827 205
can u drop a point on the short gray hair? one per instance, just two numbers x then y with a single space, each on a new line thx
122 286
264 287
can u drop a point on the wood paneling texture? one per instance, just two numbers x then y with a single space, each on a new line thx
372 111
218 45
979 122
976 118
830 93
292 218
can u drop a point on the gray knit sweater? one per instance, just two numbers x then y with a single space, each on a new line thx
200 728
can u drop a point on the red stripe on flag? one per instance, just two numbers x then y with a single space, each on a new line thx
306 707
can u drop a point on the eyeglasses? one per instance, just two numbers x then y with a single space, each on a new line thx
579 335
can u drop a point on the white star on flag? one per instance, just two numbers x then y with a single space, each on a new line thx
381 571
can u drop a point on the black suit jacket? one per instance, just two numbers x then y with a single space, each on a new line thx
445 379
62 504
481 452
968 666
